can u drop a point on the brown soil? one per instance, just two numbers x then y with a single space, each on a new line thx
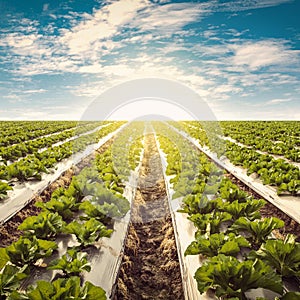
269 210
9 232
150 267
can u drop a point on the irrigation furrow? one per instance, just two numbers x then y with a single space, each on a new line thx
150 268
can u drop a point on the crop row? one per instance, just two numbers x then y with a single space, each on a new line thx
32 166
11 133
183 161
236 245
14 152
287 132
126 159
279 138
85 210
276 172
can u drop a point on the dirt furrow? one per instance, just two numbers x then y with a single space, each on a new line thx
150 267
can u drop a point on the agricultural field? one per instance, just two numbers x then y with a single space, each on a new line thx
150 210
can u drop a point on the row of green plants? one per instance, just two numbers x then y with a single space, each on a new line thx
11 133
274 137
234 242
182 159
275 172
32 166
16 151
20 259
127 148
85 209
207 134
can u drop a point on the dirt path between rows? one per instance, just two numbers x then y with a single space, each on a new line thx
150 267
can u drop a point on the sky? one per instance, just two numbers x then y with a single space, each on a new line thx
242 57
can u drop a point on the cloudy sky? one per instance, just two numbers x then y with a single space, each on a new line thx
242 56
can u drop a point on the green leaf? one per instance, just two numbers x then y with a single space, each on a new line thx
10 278
91 292
211 245
209 223
283 255
291 296
89 232
4 258
259 230
63 205
71 263
44 225
233 278
4 188
66 288
28 250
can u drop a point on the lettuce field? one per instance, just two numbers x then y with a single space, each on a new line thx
149 210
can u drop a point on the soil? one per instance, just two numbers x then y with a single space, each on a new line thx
9 232
150 268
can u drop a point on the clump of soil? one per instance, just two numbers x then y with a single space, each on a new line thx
150 267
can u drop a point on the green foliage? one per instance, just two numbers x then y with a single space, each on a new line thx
71 263
194 204
45 225
230 192
233 278
282 255
27 250
290 296
209 223
248 209
259 230
103 213
10 278
62 289
217 243
64 206
4 188
89 232
293 187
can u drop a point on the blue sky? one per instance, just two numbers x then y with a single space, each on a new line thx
242 57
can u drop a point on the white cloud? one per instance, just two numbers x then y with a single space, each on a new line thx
91 33
277 101
92 69
37 91
256 55
169 18
44 113
240 5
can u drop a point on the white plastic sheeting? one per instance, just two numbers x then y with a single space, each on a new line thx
23 193
107 257
290 205
184 231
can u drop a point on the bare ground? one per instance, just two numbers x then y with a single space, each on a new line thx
150 267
